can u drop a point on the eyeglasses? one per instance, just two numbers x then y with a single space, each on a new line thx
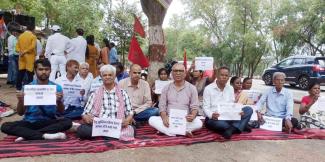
136 72
178 71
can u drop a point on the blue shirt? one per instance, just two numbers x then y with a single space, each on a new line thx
113 55
41 112
122 75
277 104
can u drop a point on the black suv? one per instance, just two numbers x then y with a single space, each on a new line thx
299 70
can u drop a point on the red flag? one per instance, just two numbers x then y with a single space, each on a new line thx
138 28
185 60
136 55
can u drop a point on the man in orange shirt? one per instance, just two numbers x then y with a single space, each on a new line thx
26 47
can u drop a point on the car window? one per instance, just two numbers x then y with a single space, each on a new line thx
298 61
285 63
321 62
310 60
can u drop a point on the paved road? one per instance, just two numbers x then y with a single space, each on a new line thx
297 93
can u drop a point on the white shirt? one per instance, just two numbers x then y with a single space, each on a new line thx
71 91
12 40
212 96
39 48
95 84
57 44
79 51
86 82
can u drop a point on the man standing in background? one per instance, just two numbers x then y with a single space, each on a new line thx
26 47
80 45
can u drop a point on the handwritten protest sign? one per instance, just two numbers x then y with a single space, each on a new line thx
203 63
159 85
229 111
72 89
108 127
272 123
177 121
39 95
253 95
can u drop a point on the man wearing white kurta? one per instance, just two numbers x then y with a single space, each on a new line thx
80 45
57 47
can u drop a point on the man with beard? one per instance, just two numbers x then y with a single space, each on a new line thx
39 121
73 91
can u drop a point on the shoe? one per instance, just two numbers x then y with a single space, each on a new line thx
247 129
6 111
4 104
228 133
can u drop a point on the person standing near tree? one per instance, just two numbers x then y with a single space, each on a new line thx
92 55
80 45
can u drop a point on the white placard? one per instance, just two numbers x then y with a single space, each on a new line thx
229 111
203 63
254 115
319 104
159 85
108 127
272 123
72 89
177 121
39 95
253 95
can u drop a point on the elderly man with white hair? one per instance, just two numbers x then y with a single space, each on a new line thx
85 76
180 95
108 101
279 103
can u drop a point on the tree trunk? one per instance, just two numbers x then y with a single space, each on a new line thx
157 49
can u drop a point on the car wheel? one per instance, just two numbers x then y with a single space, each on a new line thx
303 82
267 79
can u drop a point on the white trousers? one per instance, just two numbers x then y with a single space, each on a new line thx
157 123
57 63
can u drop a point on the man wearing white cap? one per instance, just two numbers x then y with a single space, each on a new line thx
57 47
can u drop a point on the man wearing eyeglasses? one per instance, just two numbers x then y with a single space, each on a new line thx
180 95
140 94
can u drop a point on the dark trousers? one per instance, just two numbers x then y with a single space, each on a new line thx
35 130
20 78
222 125
294 121
84 131
73 112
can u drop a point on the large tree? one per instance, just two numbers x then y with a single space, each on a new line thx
155 12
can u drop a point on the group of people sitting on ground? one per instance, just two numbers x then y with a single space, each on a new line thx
116 94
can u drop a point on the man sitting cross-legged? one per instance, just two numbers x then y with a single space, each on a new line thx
39 122
108 101
177 95
219 92
279 103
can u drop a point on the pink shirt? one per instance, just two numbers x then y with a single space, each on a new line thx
185 98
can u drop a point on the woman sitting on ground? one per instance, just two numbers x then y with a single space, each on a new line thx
310 116
163 76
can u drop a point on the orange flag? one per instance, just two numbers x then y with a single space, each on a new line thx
138 28
136 55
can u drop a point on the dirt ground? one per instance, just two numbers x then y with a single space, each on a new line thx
250 151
